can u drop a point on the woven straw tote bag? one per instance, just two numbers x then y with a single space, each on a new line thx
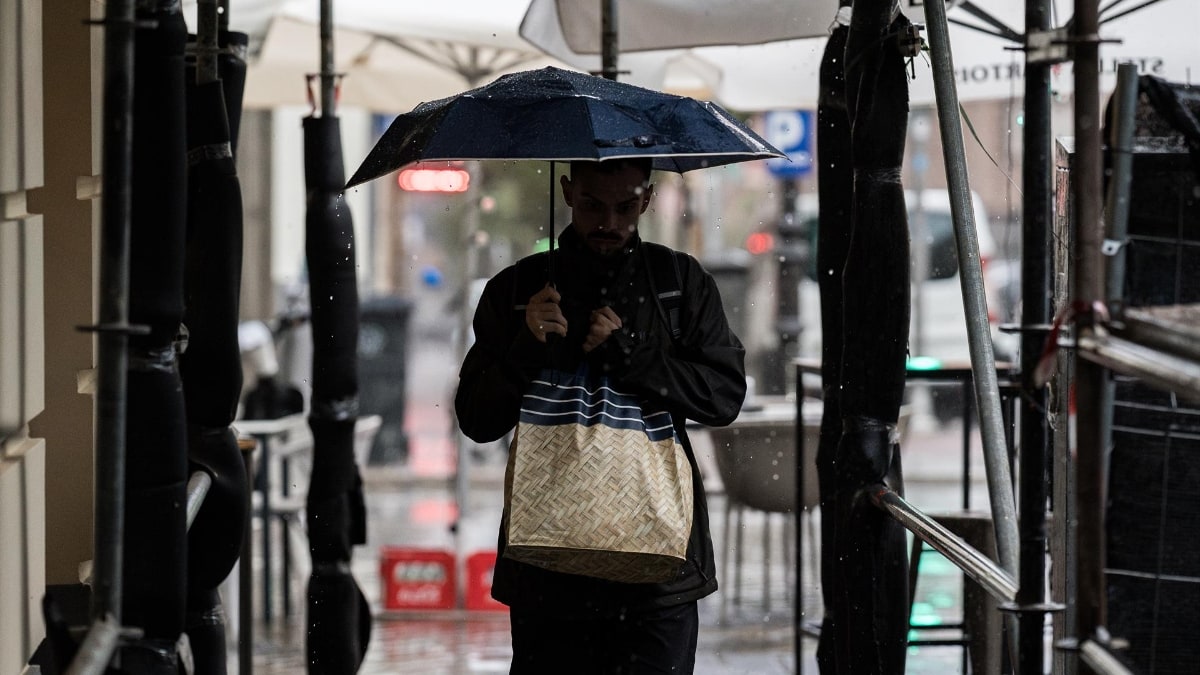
596 484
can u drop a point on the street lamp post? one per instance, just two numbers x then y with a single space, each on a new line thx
792 251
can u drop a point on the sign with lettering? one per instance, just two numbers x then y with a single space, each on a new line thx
987 66
417 578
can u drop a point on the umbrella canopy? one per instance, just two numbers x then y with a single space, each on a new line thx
572 26
779 71
561 115
392 55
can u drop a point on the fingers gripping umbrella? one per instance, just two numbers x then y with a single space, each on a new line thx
562 115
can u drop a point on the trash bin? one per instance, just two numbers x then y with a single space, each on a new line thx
382 369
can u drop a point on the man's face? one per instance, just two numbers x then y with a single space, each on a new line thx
605 206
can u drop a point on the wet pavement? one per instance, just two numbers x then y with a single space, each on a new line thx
417 505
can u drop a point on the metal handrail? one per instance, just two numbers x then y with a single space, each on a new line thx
1100 660
197 490
981 569
97 648
1175 373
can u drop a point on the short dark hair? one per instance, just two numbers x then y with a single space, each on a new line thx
611 166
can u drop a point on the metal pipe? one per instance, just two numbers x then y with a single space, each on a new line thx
197 490
1145 328
245 631
327 75
206 41
1037 214
983 360
1174 373
1116 223
112 358
974 564
1116 206
1089 451
97 648
1100 660
609 39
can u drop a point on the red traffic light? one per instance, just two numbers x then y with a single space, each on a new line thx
423 179
760 242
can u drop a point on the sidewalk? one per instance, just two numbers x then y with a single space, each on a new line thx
415 506
417 509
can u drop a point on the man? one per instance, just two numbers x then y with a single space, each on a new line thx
601 308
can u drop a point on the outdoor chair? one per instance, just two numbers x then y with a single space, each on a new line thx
756 457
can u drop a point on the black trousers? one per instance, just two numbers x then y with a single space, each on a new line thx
634 643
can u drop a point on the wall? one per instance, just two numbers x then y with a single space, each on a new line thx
22 394
68 202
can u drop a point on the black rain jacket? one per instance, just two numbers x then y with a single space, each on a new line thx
699 376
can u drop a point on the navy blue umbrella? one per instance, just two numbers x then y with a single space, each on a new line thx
562 115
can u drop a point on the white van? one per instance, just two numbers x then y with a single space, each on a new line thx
938 330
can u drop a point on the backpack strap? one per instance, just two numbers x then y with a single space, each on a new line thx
666 284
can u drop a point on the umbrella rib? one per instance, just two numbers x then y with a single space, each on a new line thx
1003 35
1118 15
1004 30
445 53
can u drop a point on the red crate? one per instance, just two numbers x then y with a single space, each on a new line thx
417 578
480 567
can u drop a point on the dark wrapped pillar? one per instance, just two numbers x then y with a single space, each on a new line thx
867 568
211 365
338 616
835 184
155 558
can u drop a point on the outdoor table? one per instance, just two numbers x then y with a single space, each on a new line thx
945 371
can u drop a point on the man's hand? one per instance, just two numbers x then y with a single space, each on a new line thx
543 316
604 322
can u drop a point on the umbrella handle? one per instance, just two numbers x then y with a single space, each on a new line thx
550 256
